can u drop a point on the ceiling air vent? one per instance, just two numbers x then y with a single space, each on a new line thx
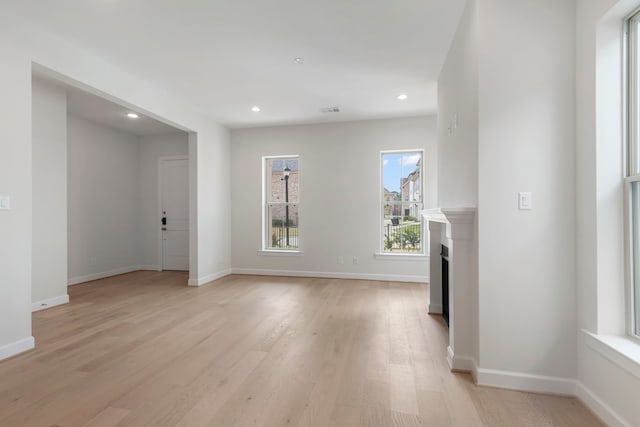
330 110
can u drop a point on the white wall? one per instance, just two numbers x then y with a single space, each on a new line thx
150 149
608 380
49 280
458 143
103 199
531 300
509 78
458 117
526 143
340 194
15 181
212 168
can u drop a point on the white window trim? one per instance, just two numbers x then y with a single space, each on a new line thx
628 265
621 351
404 256
280 252
621 348
401 256
265 250
631 136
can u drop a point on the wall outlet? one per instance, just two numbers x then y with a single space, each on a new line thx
5 203
93 261
340 260
525 201
355 260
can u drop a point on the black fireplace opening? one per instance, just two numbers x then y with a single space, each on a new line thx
444 254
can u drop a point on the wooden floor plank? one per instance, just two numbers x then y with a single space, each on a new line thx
403 390
143 349
110 417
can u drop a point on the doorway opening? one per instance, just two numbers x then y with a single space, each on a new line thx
96 190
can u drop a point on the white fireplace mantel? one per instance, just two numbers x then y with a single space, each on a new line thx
450 215
454 227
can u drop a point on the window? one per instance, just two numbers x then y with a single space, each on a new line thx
281 196
632 179
402 195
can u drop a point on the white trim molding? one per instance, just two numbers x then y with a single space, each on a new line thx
460 363
525 382
621 351
95 276
149 267
331 275
457 225
599 408
209 278
401 257
435 308
17 347
275 252
49 303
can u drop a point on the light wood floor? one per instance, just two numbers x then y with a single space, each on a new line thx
142 349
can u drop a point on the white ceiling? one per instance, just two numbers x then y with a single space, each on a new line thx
224 56
96 109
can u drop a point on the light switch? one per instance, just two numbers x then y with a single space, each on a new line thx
525 201
5 202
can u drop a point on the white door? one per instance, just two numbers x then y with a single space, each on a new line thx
174 203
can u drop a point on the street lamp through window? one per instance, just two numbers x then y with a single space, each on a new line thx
285 172
281 195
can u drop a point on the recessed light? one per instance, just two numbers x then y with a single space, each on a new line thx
298 60
132 115
402 96
255 109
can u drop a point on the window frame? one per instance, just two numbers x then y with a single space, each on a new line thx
266 188
423 232
631 131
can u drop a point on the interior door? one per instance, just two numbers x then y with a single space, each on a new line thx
174 202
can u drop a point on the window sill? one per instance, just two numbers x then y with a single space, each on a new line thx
622 351
272 252
400 257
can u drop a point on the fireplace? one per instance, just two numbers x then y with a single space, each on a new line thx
453 276
444 254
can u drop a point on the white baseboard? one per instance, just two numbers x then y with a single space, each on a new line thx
149 267
331 275
95 276
474 371
459 363
209 278
17 347
49 302
435 308
601 409
512 380
541 384
525 382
